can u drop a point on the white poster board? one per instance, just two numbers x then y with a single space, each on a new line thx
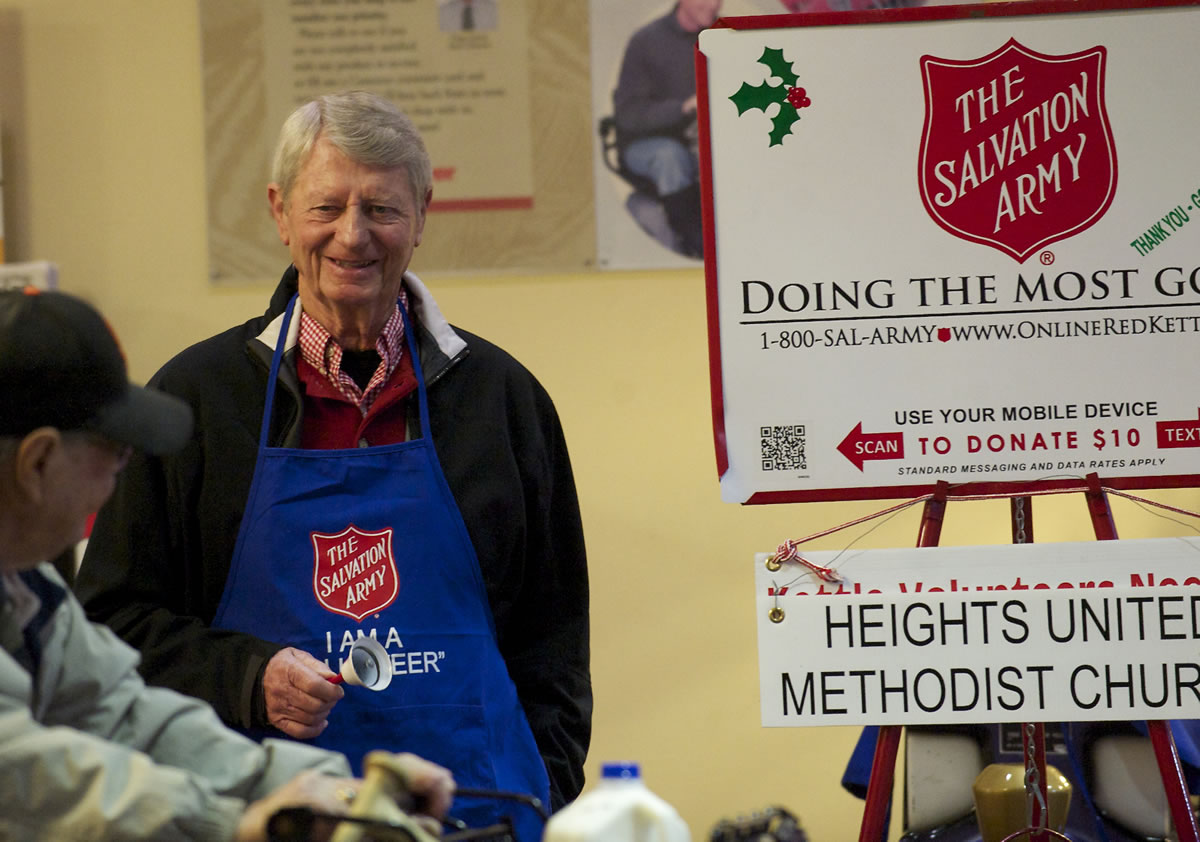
970 254
1009 633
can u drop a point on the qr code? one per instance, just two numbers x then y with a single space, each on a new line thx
783 448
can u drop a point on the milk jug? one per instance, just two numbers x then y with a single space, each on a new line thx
619 809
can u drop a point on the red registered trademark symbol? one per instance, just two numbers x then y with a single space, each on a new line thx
1047 257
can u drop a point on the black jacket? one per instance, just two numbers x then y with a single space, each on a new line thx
160 551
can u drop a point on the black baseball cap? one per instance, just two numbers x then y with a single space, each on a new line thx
61 366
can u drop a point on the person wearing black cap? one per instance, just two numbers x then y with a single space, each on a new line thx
88 751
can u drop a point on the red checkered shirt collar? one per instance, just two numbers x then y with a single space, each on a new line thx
322 352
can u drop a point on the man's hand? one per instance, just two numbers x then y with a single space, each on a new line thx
432 785
689 105
320 793
298 693
426 789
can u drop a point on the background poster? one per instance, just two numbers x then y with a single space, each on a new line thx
985 271
503 107
419 57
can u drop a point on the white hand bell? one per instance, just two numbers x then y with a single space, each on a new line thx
368 665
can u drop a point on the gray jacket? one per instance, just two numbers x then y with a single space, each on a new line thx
88 752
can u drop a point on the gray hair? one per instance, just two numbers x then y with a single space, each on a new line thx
365 127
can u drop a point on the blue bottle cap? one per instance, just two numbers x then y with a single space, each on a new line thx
620 771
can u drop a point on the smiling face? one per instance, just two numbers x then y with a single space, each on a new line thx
351 230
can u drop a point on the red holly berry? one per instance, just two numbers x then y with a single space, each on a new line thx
798 98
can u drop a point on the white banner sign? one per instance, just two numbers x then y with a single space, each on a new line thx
964 255
1007 633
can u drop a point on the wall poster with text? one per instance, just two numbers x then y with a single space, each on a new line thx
461 71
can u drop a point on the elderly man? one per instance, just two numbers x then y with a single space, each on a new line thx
88 751
361 467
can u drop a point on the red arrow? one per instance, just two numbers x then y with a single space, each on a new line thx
858 447
1178 433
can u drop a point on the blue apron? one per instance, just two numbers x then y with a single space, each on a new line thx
335 544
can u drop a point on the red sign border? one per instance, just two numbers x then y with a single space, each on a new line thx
1018 8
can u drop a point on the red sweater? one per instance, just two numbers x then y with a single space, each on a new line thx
331 422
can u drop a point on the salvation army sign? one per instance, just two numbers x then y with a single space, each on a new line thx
971 254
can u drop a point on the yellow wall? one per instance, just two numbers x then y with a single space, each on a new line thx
104 176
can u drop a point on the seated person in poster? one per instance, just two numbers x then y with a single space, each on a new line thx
654 108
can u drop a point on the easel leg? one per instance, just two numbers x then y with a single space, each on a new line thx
932 516
1165 752
879 789
883 766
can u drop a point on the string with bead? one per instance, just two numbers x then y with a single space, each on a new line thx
789 551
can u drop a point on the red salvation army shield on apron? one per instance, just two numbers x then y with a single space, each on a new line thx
1016 150
354 572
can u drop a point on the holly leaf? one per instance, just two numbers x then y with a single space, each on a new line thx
757 96
786 95
773 58
781 124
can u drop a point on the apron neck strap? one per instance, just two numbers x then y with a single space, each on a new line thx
410 336
277 359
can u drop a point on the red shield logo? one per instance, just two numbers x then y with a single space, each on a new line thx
1017 152
354 572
